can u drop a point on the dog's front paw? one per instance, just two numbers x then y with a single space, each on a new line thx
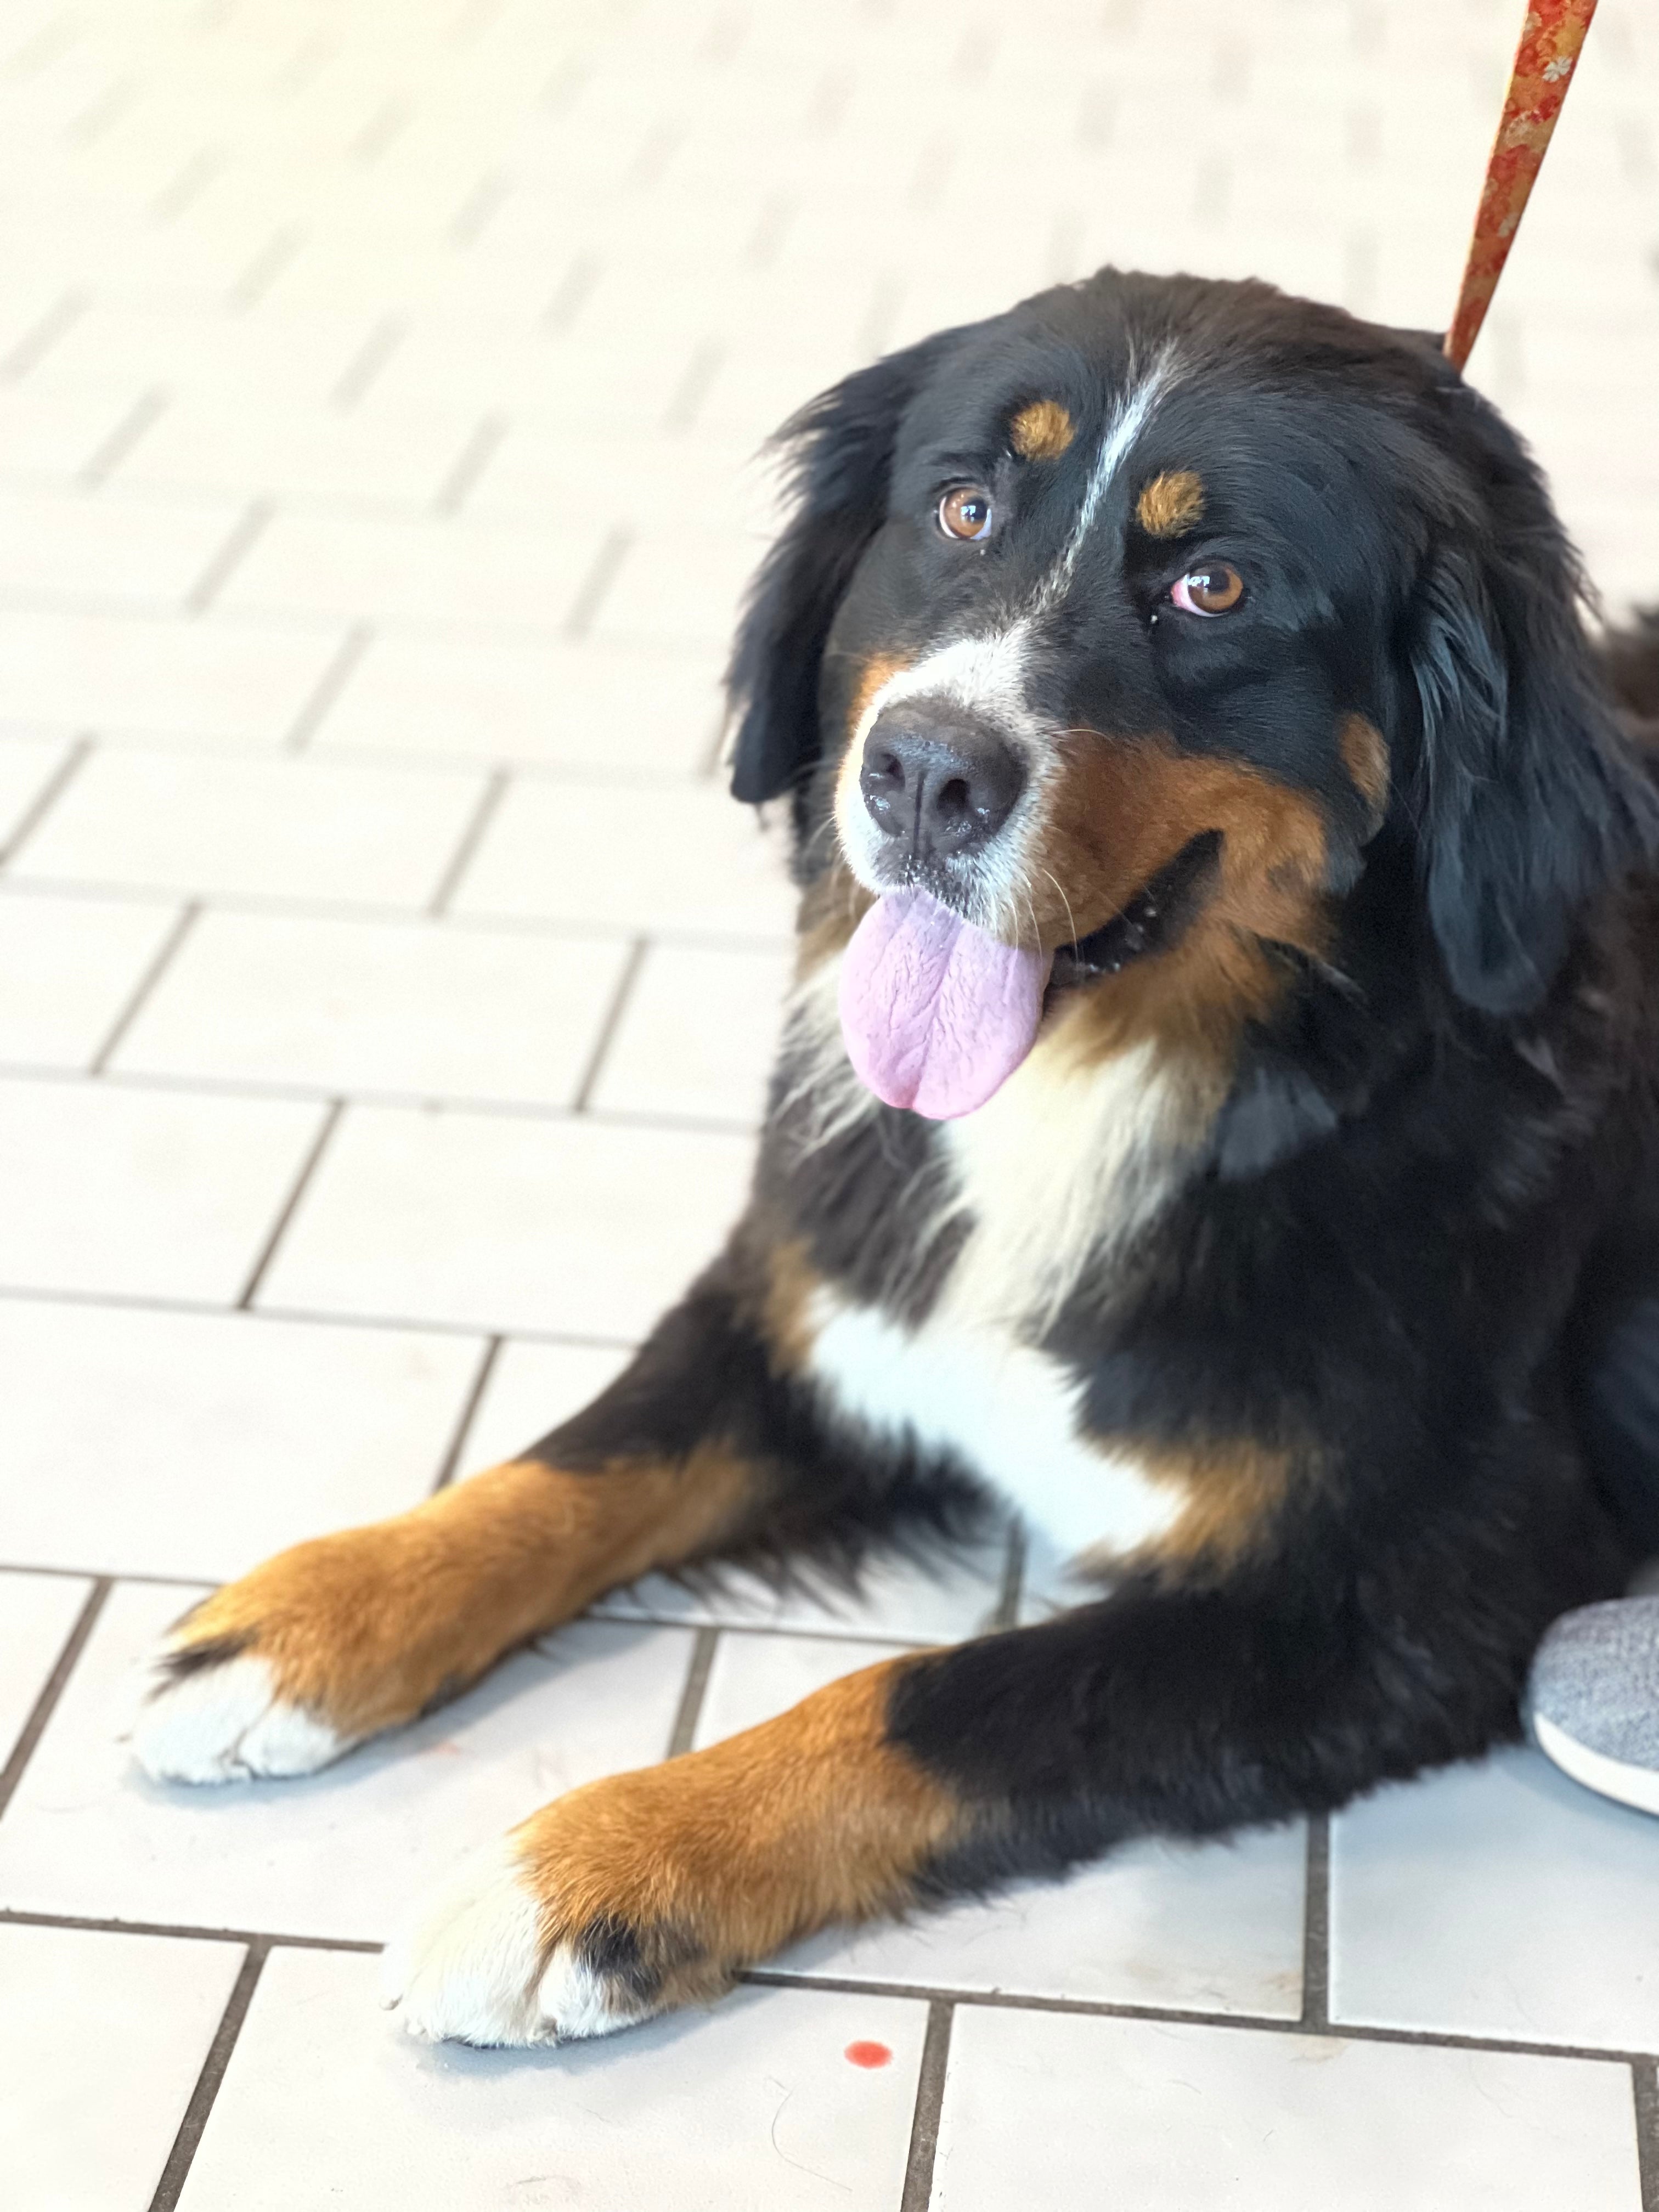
657 1888
628 1897
281 1672
209 1717
490 1958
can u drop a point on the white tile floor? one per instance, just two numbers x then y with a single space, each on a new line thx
386 993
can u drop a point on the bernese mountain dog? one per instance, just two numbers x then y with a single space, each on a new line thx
1215 1121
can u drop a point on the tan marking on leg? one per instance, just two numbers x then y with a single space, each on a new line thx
1365 756
1170 503
365 1628
1041 431
720 1858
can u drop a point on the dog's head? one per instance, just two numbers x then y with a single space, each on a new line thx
1111 637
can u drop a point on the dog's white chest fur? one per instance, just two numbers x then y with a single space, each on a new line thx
1052 1173
1006 1413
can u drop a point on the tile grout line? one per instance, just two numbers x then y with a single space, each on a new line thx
140 1302
1185 2015
571 293
449 1464
1316 1928
480 207
590 594
146 983
49 794
341 666
181 742
305 65
44 1706
249 526
145 412
609 1027
1000 2000
291 615
37 342
97 116
812 1632
366 364
449 883
300 1092
686 402
474 457
930 2097
184 1932
384 127
55 36
1644 2090
303 1183
489 921
185 2142
266 266
188 185
681 1735
566 81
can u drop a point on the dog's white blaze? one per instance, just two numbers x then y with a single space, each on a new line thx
1127 421
986 672
1057 1168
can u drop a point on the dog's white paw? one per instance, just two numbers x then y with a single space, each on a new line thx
474 1965
225 1722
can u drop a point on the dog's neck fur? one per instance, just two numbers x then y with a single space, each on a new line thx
1052 1177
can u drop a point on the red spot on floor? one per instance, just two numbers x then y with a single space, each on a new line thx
869 2054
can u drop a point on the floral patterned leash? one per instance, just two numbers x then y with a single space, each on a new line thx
1550 39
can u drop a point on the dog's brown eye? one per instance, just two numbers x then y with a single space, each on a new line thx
966 511
1209 591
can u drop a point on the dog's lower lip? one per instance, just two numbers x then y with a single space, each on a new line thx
1148 922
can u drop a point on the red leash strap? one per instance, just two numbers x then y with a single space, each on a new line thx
1550 39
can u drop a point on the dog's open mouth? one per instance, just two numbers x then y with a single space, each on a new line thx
937 1015
1153 920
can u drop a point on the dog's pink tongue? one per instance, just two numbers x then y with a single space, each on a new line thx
936 1014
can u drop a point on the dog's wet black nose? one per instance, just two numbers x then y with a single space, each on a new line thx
941 787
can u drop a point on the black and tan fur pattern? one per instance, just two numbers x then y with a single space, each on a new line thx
1313 1245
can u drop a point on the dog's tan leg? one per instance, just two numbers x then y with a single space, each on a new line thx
349 1634
708 1445
653 1889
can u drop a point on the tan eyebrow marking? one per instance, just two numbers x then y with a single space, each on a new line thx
1172 502
1041 431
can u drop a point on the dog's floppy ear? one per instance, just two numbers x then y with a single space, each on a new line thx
841 446
1527 798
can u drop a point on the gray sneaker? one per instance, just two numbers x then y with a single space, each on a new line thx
1592 1702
